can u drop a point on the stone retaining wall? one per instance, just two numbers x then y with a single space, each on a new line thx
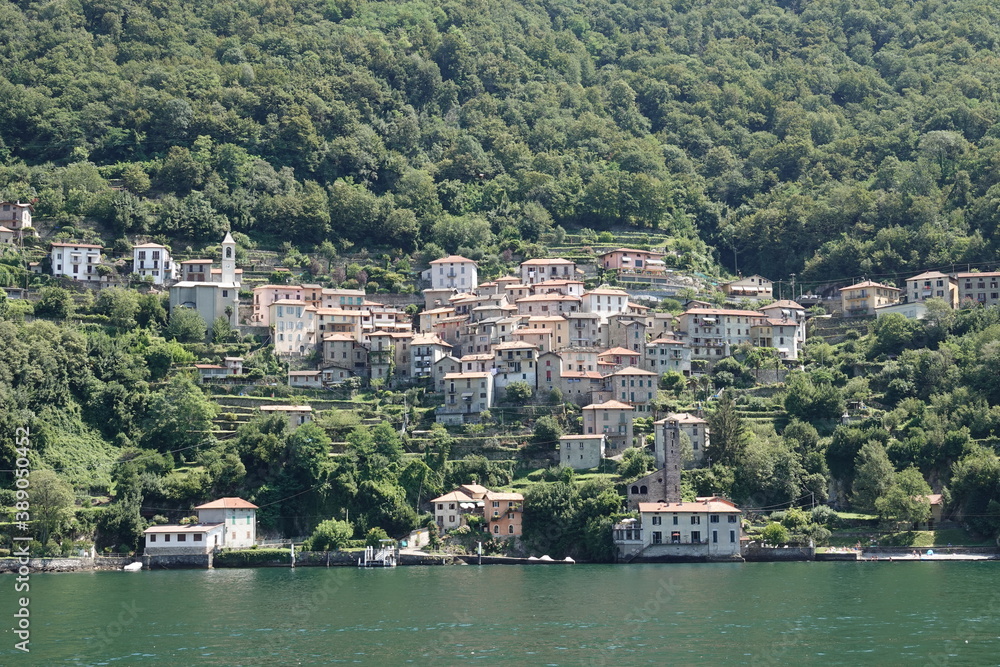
177 562
772 554
67 564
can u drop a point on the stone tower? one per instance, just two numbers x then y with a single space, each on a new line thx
671 461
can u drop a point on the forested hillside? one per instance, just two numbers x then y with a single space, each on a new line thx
827 138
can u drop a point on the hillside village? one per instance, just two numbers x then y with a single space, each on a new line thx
551 331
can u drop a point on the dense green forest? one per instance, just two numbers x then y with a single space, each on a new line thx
824 138
827 139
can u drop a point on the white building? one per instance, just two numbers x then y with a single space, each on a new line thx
225 523
515 362
535 271
212 299
297 415
175 540
605 302
709 529
453 272
78 261
153 260
293 326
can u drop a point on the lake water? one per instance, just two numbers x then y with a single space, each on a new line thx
696 614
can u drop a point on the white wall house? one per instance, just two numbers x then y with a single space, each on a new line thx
706 528
212 299
153 260
297 415
78 261
453 272
175 540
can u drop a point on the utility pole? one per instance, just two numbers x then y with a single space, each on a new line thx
793 286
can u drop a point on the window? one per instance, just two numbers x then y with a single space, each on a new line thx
714 518
496 529
696 521
510 530
166 538
182 538
657 537
675 519
732 536
496 503
715 537
732 518
657 521
152 538
695 537
198 536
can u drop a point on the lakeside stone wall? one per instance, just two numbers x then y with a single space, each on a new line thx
778 554
177 561
86 564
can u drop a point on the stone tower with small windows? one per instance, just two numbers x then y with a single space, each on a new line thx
671 461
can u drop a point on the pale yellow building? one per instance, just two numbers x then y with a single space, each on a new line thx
861 299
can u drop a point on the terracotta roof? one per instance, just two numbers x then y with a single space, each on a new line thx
451 259
633 370
282 408
609 405
784 303
669 341
633 251
468 375
682 418
592 375
978 274
929 274
551 296
608 290
454 496
546 261
869 283
502 495
620 351
711 505
227 503
76 245
514 345
722 311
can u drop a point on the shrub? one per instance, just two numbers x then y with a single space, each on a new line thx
825 515
374 537
329 535
774 533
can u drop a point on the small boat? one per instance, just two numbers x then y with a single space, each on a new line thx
133 567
